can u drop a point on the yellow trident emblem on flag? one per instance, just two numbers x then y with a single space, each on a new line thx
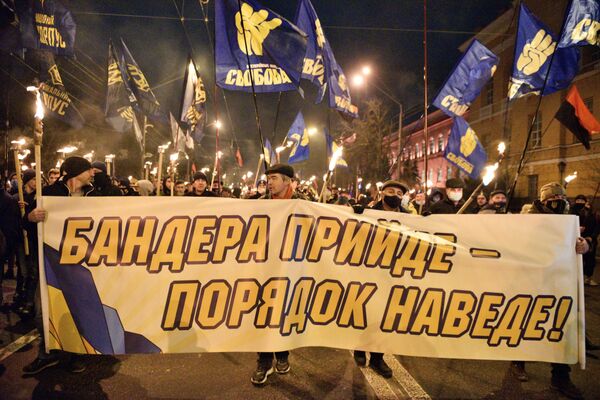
254 30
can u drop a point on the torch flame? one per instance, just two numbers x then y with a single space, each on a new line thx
571 177
490 173
174 157
334 159
501 148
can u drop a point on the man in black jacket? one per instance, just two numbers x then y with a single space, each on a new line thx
102 182
199 186
453 200
75 182
589 231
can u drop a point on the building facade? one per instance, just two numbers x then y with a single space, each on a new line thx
553 151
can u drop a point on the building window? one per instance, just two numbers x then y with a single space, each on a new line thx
431 146
536 132
440 175
430 177
441 142
423 148
532 186
489 94
449 173
405 154
417 150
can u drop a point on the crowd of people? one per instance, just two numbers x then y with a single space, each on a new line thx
78 177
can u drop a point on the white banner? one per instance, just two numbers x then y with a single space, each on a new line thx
131 275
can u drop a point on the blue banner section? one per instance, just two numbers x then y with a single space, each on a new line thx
535 46
470 75
144 100
193 104
464 149
55 97
273 46
320 65
269 153
47 25
118 110
581 24
298 134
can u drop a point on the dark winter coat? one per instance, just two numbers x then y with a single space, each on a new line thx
445 206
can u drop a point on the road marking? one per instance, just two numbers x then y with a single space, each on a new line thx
382 388
406 380
18 344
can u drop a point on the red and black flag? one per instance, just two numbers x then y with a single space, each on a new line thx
577 118
238 158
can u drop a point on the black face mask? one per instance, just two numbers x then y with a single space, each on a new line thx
500 204
577 208
392 201
557 206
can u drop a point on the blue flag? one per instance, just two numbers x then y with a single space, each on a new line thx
55 97
581 24
298 134
533 51
269 153
464 149
48 25
118 110
471 74
193 105
320 66
143 99
274 46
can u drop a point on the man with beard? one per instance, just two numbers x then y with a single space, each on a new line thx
497 204
102 182
199 186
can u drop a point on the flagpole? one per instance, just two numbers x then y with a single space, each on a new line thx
426 100
144 127
511 192
161 151
262 144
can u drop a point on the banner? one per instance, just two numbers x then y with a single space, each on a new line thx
320 65
193 104
581 24
47 25
464 149
55 97
534 48
216 275
119 97
298 135
476 67
256 35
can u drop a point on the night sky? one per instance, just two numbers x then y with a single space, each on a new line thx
385 34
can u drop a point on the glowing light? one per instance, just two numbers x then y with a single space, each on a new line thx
359 180
412 191
302 182
192 72
224 176
24 154
250 174
67 149
130 178
334 159
24 168
218 124
173 157
280 149
501 148
108 158
289 143
571 177
366 70
154 171
19 142
312 131
379 185
368 186
313 178
358 80
263 177
39 105
89 156
162 148
148 163
205 169
58 163
244 177
33 165
219 154
489 174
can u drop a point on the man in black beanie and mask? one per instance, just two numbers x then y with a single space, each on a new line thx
102 182
199 186
589 231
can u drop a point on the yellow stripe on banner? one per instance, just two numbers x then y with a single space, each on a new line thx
62 320
54 336
484 253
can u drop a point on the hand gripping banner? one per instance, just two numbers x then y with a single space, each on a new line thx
276 275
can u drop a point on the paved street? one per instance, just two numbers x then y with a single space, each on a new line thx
317 373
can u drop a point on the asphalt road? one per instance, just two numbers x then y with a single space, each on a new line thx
316 373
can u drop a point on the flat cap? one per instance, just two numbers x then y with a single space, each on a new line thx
282 169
